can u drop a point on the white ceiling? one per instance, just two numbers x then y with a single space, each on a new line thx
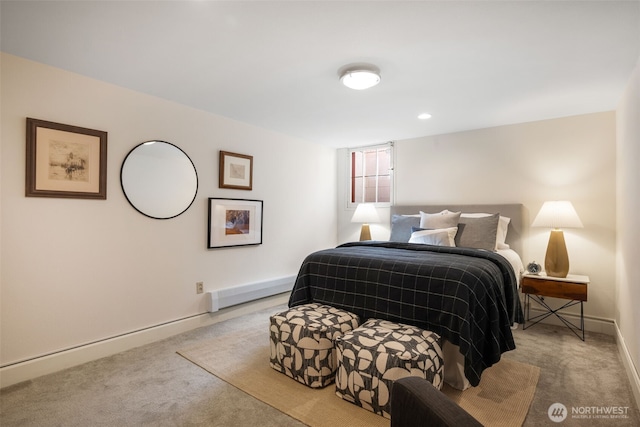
272 64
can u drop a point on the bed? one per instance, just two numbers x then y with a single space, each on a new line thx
467 292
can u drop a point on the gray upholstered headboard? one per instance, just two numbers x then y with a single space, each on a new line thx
515 211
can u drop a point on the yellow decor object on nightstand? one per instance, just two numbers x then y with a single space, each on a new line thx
365 213
557 215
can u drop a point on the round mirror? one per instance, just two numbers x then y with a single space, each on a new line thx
159 179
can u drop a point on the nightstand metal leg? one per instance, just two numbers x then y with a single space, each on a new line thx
550 311
582 319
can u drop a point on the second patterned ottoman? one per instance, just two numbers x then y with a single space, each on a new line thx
302 341
374 355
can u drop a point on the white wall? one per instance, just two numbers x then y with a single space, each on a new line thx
628 206
569 158
75 271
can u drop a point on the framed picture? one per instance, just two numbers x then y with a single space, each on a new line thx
234 222
236 171
65 161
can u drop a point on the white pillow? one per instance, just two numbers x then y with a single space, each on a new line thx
503 227
438 237
444 219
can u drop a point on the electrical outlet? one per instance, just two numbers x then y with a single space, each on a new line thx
199 287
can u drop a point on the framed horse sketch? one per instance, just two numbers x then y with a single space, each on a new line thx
65 161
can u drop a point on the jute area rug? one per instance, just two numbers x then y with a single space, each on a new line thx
242 359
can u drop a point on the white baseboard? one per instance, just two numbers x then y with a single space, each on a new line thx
629 365
44 365
591 324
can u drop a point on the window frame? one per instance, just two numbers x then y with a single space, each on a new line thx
350 167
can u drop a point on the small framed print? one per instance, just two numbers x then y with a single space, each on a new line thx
236 171
234 222
65 161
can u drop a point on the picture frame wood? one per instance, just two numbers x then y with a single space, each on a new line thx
234 222
65 161
236 171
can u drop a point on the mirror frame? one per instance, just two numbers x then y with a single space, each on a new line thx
122 185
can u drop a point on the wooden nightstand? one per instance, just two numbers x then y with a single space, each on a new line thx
572 287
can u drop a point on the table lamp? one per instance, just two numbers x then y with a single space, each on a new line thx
365 213
557 215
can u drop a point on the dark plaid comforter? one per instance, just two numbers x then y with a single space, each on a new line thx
467 296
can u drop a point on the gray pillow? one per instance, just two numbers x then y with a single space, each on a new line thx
478 233
401 227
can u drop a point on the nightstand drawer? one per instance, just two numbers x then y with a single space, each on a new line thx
553 288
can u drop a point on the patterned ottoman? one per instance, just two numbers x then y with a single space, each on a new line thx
379 352
303 342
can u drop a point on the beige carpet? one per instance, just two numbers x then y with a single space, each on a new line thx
242 359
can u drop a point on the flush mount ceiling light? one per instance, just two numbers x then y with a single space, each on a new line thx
360 78
424 116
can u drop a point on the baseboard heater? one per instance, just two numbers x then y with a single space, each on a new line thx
228 297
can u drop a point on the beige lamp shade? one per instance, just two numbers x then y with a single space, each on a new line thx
557 215
365 214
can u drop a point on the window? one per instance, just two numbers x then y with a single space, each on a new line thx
371 174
